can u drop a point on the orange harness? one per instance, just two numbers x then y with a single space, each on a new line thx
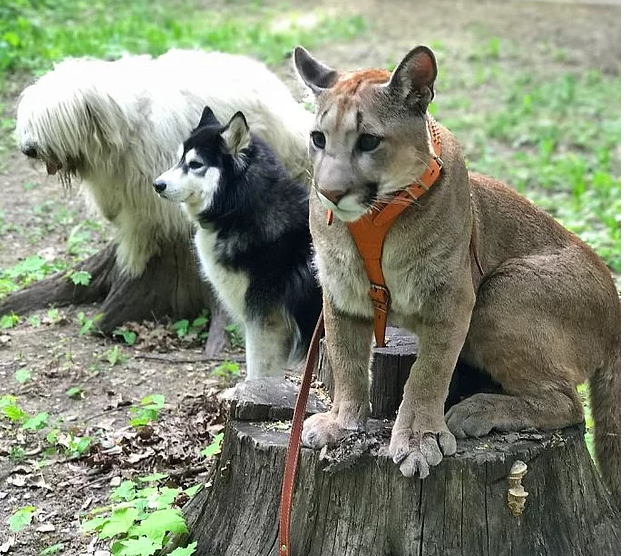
369 232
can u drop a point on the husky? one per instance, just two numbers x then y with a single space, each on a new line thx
252 238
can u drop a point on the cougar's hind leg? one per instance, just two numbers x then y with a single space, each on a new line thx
535 329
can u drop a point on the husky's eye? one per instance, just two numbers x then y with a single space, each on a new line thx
367 142
195 165
318 138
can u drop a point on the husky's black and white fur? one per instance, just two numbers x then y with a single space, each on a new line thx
252 238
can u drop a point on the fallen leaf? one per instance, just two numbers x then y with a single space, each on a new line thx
17 480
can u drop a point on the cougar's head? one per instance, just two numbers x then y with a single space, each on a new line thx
370 136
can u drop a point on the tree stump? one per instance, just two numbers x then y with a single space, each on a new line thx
171 286
352 499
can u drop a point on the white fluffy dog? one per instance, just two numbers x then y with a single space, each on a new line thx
117 125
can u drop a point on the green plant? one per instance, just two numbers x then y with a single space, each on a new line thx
10 409
75 392
196 328
37 422
17 453
80 277
52 549
34 321
8 321
88 324
214 447
21 518
148 410
115 356
226 370
140 520
235 336
53 315
22 375
129 336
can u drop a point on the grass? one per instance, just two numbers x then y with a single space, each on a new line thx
554 137
34 33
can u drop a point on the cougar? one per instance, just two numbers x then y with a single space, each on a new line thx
474 269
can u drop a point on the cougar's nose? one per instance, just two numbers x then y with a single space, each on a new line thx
30 152
160 186
333 196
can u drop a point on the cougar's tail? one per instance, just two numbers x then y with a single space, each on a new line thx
605 397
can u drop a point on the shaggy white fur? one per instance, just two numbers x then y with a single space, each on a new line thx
117 125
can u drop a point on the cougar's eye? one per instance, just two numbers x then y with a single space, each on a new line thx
195 165
318 138
367 142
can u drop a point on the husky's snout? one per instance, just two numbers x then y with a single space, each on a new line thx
159 185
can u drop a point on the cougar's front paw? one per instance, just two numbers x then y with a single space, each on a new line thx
416 448
328 428
474 416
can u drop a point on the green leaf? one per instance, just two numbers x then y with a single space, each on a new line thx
119 522
166 497
37 422
22 375
8 321
214 447
143 546
184 551
128 335
14 413
21 518
125 491
75 392
35 322
80 277
7 400
93 524
192 491
52 549
153 401
156 524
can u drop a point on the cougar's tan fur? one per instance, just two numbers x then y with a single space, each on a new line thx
544 317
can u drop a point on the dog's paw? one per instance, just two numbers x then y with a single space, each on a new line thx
415 449
472 416
326 429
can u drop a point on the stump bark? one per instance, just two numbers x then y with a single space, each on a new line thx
171 286
351 499
354 501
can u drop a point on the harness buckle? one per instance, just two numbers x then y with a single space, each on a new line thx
380 296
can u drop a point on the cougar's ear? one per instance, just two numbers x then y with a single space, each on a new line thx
236 134
208 118
316 75
414 77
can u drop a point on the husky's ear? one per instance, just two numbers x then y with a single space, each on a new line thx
414 77
316 75
208 118
236 134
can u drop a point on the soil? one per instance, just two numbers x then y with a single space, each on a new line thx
161 363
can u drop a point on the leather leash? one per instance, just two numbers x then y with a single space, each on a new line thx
294 440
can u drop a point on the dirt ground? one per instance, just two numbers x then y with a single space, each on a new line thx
59 358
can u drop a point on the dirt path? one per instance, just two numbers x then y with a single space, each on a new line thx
37 216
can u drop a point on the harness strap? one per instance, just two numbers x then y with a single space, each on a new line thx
369 233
